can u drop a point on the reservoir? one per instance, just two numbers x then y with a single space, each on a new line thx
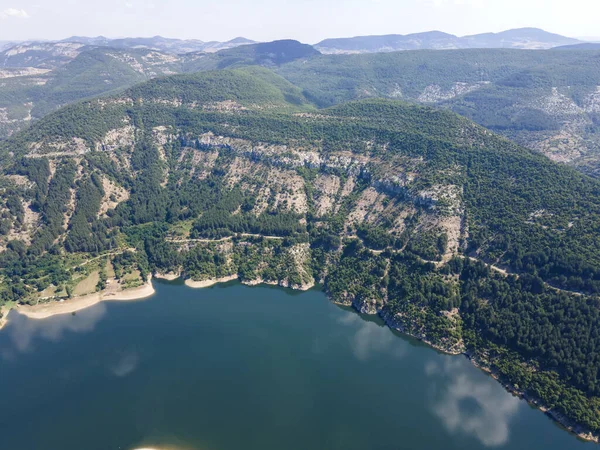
247 368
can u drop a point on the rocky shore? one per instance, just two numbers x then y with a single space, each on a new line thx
564 422
284 284
370 308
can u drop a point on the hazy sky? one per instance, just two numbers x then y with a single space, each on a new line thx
305 20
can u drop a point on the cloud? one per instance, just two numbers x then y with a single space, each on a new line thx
14 12
465 404
371 338
125 365
23 332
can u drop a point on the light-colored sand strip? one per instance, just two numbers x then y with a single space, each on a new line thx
4 310
43 311
209 282
171 276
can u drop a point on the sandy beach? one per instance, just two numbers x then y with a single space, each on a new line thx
4 310
45 310
209 282
171 276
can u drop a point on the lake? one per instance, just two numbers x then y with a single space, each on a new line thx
237 367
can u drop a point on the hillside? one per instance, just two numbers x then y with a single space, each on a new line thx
545 100
53 54
40 55
29 93
522 38
39 77
448 231
268 54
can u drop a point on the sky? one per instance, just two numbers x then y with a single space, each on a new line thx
306 20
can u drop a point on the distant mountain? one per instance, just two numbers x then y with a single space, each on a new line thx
51 55
6 44
583 46
158 43
276 52
266 54
215 46
40 55
389 43
163 44
98 40
523 38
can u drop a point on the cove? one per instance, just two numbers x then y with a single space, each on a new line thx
237 367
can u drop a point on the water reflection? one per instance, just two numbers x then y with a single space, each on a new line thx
371 337
125 365
23 331
468 404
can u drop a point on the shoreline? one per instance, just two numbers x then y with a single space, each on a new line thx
295 287
4 319
75 304
43 311
213 281
572 428
568 425
209 282
169 276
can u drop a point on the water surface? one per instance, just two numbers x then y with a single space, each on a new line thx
235 367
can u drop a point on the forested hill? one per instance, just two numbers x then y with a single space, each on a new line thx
448 231
52 75
546 100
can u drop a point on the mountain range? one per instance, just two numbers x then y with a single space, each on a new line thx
521 38
546 100
162 44
53 53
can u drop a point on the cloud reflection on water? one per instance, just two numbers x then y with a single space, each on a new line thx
471 404
371 338
23 331
126 364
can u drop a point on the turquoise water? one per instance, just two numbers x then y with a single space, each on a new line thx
234 367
